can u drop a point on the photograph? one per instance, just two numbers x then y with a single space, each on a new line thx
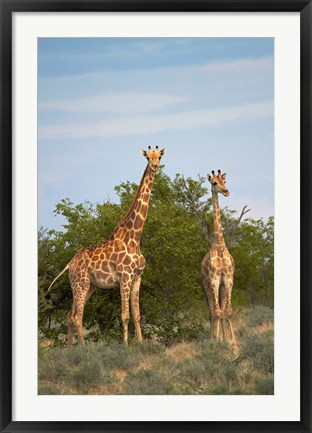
155 216
156 181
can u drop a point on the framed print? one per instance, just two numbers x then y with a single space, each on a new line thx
155 216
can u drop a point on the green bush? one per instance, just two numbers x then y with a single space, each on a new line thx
50 389
75 355
117 355
52 370
174 329
208 372
147 382
151 348
258 316
264 385
259 348
86 376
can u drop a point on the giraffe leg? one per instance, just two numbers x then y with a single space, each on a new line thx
233 339
71 317
78 322
210 301
229 314
217 313
228 282
218 321
70 326
223 304
135 307
125 296
212 294
80 295
223 327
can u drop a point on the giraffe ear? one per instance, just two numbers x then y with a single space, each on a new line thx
144 153
209 178
223 176
162 152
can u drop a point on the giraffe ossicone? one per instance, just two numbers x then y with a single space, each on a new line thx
218 267
117 261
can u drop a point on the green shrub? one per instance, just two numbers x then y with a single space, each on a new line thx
258 315
87 375
146 382
174 329
264 385
117 355
210 371
215 351
51 370
50 389
41 351
151 348
76 355
259 348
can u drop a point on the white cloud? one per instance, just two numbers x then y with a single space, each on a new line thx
114 103
243 66
141 125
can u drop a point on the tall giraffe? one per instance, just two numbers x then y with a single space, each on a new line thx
115 262
218 267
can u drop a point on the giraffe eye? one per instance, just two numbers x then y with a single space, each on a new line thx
215 183
159 158
147 158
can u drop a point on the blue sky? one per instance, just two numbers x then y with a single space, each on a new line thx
209 101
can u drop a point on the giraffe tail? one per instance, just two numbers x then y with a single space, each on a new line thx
64 270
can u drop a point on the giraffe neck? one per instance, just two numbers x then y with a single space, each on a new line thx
218 233
131 226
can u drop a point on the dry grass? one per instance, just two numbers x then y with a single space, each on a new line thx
265 327
181 351
200 366
146 364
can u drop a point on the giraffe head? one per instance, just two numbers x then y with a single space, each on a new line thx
153 157
218 183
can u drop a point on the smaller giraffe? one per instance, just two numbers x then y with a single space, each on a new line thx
218 267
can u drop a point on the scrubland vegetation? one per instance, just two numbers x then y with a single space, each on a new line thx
190 364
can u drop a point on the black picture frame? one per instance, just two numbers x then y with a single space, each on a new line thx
8 7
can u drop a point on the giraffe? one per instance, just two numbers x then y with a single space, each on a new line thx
115 262
218 267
